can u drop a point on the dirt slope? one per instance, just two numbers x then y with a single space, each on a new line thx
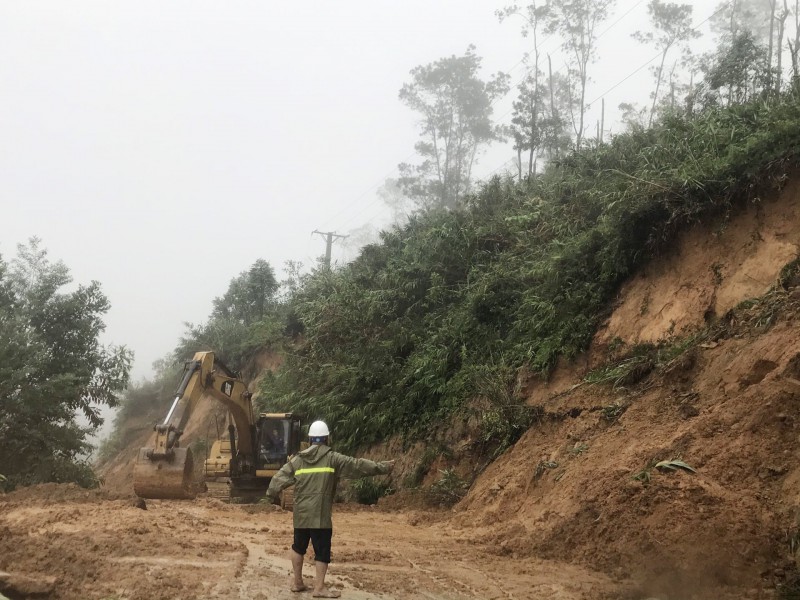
709 271
729 408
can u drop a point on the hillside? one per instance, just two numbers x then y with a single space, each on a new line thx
580 486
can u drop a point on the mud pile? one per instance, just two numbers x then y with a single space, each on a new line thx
95 546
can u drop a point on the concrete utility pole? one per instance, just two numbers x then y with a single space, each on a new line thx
330 237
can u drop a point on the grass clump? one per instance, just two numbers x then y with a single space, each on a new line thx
368 490
449 489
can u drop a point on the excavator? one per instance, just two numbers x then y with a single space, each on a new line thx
257 446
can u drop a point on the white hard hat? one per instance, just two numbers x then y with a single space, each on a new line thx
318 429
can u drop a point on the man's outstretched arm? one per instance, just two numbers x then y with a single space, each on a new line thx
348 467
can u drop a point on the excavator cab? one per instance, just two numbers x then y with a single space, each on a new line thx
278 439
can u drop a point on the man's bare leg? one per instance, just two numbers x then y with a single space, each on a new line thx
297 568
320 591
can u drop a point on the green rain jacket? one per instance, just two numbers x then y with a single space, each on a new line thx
314 472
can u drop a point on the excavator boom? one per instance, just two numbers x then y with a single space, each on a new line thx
164 469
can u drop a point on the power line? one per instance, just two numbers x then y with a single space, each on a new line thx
695 28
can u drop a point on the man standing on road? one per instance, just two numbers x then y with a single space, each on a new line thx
314 472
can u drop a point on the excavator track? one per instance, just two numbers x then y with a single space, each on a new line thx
218 489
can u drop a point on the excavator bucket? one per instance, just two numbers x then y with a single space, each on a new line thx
164 478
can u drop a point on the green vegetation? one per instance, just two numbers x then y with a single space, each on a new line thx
448 489
52 369
665 466
436 321
368 490
400 339
244 320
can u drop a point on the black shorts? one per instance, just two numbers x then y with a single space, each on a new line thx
320 539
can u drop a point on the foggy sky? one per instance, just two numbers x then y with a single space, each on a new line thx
162 147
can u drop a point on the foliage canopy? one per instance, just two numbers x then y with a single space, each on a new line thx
52 368
456 107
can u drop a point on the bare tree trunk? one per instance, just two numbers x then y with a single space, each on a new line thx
439 172
602 118
794 48
583 110
672 85
530 161
535 104
658 85
519 162
459 180
781 32
553 112
771 42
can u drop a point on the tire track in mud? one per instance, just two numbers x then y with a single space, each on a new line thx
267 576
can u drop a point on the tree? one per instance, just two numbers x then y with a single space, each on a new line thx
633 117
672 24
243 319
456 108
52 369
537 126
794 46
576 21
738 70
732 17
759 18
250 295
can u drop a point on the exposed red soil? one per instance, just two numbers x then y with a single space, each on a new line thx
728 408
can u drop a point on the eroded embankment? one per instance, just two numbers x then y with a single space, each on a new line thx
581 486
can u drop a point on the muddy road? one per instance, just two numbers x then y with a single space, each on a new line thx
61 542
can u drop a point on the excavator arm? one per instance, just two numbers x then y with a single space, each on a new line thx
164 469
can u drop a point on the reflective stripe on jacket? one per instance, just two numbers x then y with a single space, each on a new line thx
314 472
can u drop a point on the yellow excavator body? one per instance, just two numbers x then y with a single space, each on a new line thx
242 465
165 470
219 458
